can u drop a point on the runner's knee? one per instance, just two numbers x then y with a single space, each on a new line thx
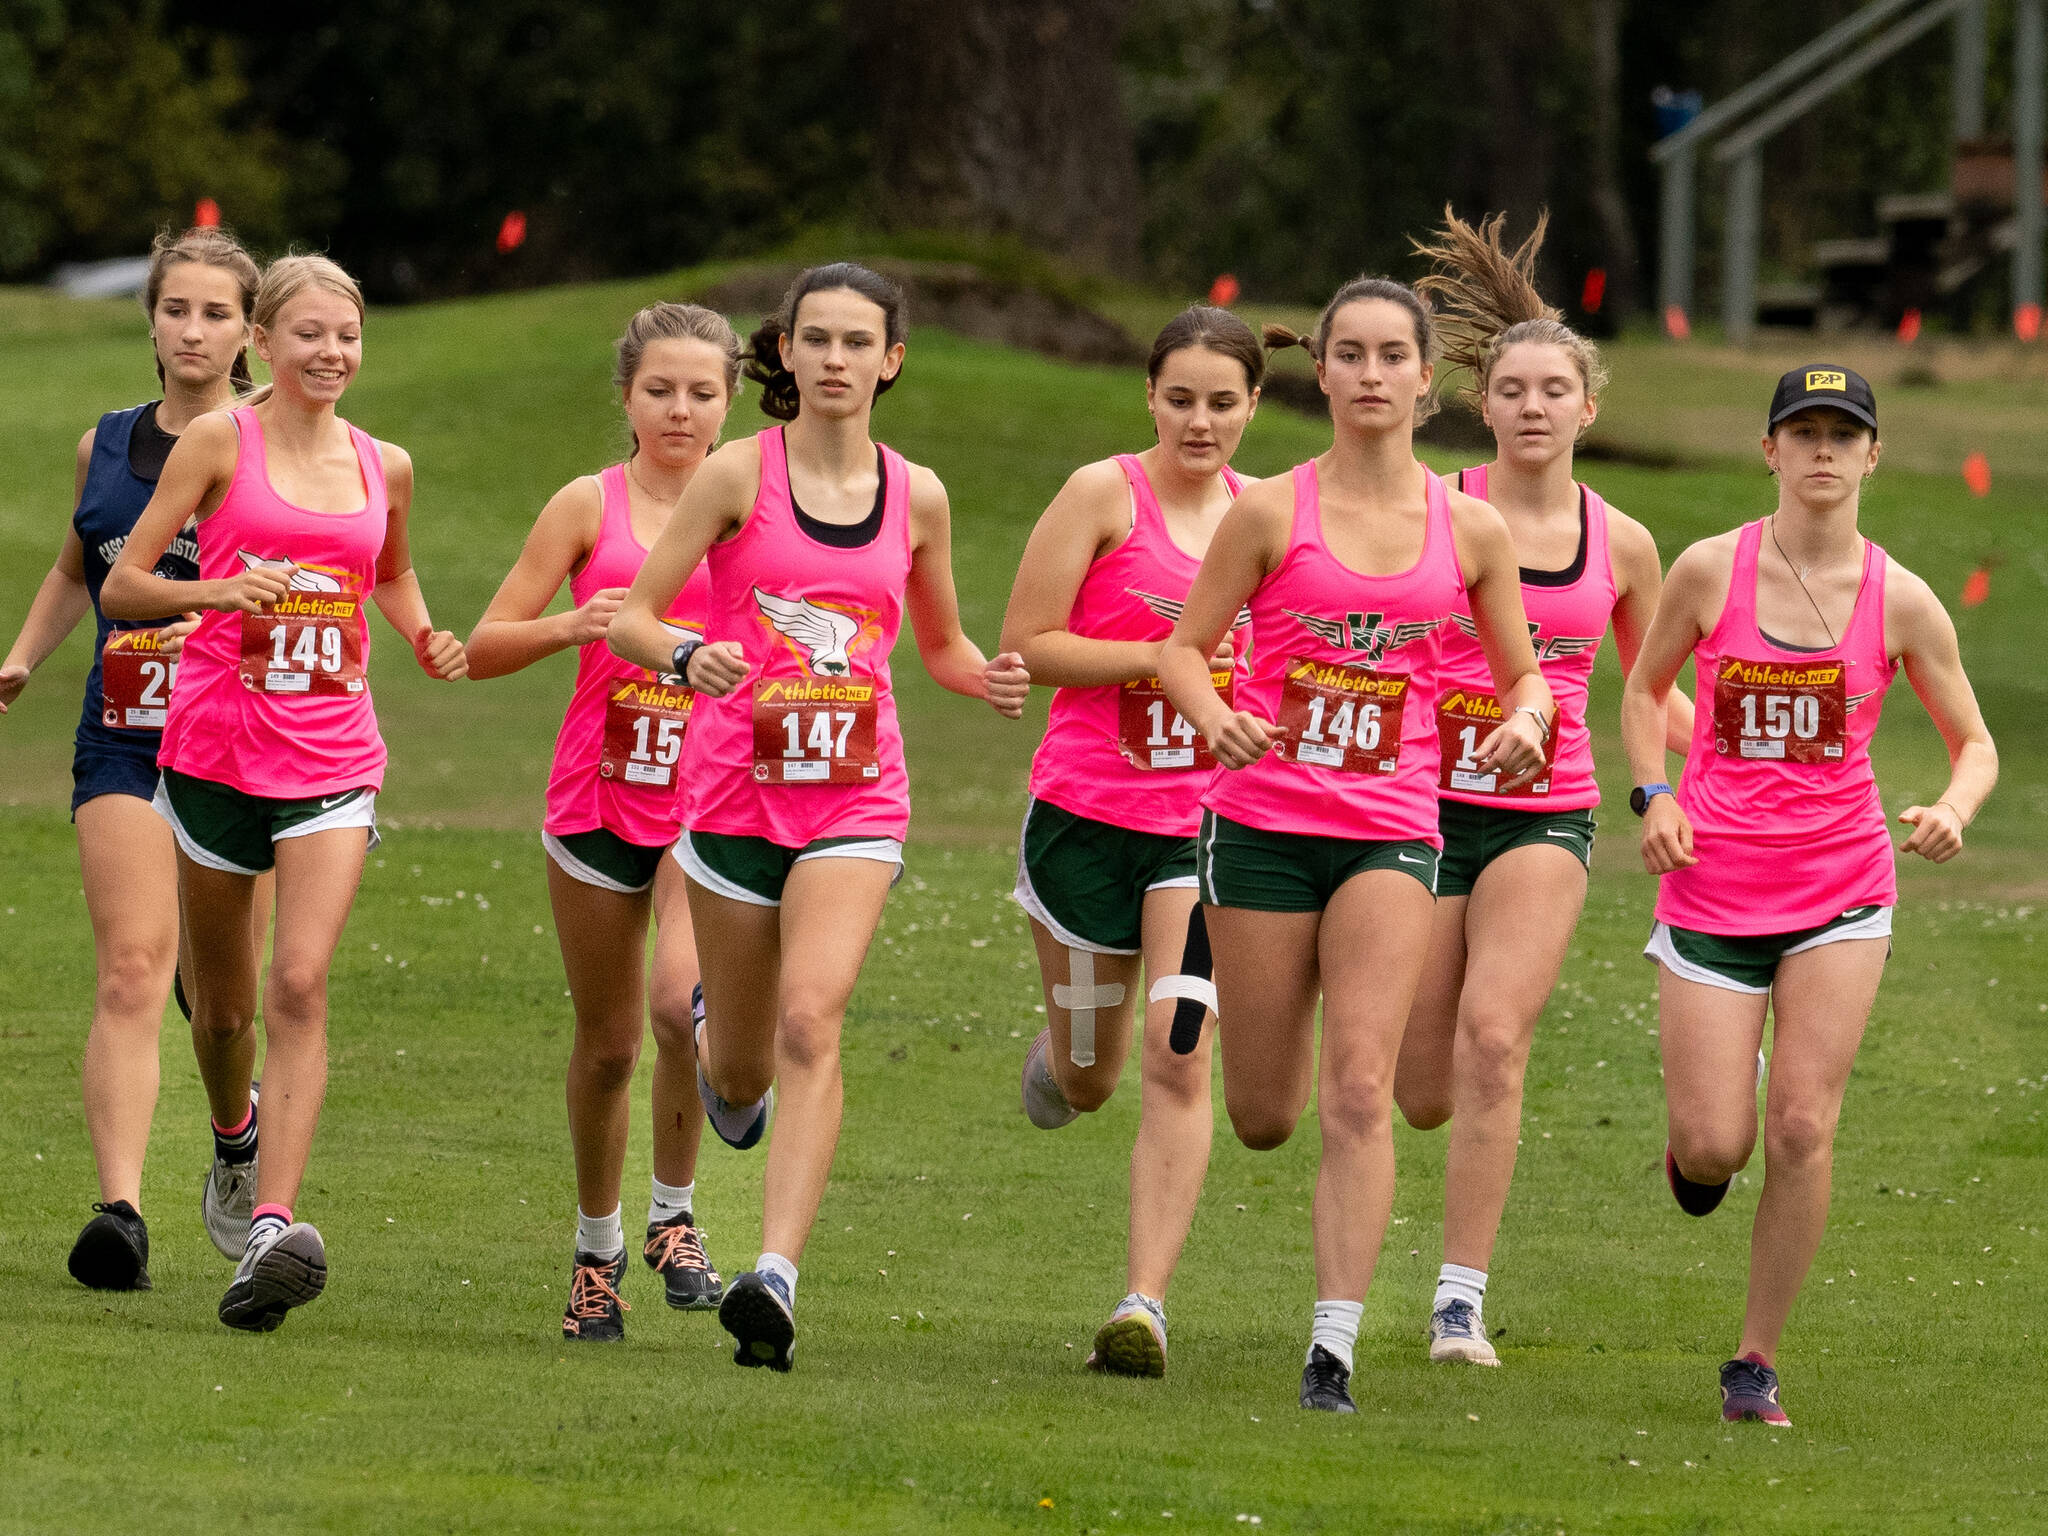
1797 1133
133 979
808 1035
297 992
1490 1055
1708 1154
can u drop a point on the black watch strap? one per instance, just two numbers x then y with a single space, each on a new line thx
679 663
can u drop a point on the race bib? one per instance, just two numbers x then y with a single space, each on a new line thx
1347 718
1775 711
1152 734
644 724
307 643
135 681
1465 717
815 730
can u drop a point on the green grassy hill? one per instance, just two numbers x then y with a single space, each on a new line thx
962 1259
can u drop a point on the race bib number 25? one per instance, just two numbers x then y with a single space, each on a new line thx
810 730
135 681
307 643
1781 712
1347 718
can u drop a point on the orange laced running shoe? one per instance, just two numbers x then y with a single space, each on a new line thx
596 1310
675 1251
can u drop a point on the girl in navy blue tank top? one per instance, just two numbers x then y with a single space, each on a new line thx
200 289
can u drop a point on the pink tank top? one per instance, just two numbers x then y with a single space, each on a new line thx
1566 624
277 704
1120 753
1347 665
618 757
806 747
1787 823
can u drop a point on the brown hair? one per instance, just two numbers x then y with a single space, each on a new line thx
764 356
1200 325
669 321
1490 302
1358 289
209 248
289 276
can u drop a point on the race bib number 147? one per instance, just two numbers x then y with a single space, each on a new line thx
815 731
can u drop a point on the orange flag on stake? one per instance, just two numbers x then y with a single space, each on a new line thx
2026 322
1977 474
1224 291
1909 327
206 214
1676 326
1978 587
512 233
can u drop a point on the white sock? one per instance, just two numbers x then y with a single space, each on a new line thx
776 1264
602 1237
670 1201
1454 1282
1336 1328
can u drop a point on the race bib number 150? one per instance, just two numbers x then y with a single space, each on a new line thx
1347 718
815 731
1781 712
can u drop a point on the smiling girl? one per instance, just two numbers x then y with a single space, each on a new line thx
271 755
1512 879
1777 881
1318 850
613 805
199 294
796 798
1106 864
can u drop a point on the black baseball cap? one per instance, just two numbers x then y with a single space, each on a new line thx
1843 389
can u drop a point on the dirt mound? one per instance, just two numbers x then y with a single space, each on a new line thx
960 297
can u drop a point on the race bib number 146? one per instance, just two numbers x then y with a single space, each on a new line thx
1347 718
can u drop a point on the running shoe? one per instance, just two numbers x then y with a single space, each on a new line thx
739 1126
675 1251
1693 1199
597 1313
1456 1333
758 1313
278 1273
1326 1383
1749 1390
228 1198
1044 1105
1133 1341
112 1253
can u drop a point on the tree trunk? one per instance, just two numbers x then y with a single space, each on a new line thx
1004 117
1617 236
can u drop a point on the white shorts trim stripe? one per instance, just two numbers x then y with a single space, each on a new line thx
577 870
1027 897
187 844
695 867
1665 953
360 811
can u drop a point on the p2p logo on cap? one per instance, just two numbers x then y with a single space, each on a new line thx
1821 378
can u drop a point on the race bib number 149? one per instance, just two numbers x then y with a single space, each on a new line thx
307 643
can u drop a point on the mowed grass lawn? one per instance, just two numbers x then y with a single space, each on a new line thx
963 1259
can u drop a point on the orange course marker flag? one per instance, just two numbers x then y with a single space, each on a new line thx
1978 587
1594 292
1224 291
1977 474
2026 322
206 214
1676 326
512 232
1909 327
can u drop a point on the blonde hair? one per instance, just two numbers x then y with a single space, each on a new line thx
208 248
1357 291
289 276
676 322
1489 302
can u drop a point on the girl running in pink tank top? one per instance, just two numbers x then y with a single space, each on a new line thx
613 799
1777 875
271 755
1512 879
795 792
1318 846
1106 861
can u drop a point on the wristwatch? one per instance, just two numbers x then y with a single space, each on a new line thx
679 663
1640 797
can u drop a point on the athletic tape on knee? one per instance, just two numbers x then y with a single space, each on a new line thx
1081 997
1196 965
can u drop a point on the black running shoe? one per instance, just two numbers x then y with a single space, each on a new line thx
597 1313
112 1253
758 1313
1749 1390
1693 1199
1326 1383
675 1251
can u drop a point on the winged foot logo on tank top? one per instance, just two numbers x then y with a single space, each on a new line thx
1363 632
1169 608
819 728
1555 648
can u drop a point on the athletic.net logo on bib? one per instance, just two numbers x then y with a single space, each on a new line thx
136 679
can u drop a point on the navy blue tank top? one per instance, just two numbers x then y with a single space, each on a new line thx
113 499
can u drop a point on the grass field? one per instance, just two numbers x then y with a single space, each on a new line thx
962 1259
